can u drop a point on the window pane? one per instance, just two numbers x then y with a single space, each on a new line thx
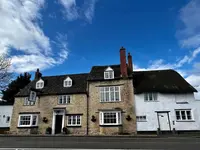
188 112
78 120
64 99
183 115
150 96
69 120
60 99
8 119
34 120
145 97
155 96
25 120
110 118
68 99
107 96
102 97
74 120
117 96
112 95
178 117
116 88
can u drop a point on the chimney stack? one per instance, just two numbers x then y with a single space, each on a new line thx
123 66
38 75
130 62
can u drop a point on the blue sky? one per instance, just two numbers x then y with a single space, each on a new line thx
70 36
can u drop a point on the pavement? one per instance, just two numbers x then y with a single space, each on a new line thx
161 143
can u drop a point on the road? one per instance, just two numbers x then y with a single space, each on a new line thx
174 143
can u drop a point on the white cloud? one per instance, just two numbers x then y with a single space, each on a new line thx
72 12
20 30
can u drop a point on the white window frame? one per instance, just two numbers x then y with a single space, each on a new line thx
186 116
66 101
103 92
109 73
142 118
31 120
149 95
67 82
27 102
71 124
40 84
118 117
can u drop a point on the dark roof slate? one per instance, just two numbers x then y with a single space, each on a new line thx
53 85
97 72
163 81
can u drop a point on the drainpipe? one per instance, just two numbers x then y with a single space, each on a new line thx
87 107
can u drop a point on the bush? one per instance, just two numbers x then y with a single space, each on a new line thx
48 130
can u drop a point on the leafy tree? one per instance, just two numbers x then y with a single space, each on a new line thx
5 76
15 86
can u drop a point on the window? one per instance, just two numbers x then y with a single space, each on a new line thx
110 118
8 119
141 118
183 115
64 99
74 120
28 120
40 84
68 82
150 96
27 102
109 73
32 96
110 94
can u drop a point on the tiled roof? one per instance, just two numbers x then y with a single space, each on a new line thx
163 81
97 72
54 85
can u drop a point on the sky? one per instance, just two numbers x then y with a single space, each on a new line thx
71 36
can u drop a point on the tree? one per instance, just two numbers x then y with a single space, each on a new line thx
15 86
5 76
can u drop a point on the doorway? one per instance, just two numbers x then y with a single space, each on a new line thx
58 121
58 124
164 121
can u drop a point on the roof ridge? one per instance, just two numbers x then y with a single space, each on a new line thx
106 65
66 75
154 70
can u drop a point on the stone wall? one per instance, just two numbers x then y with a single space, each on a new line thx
127 105
45 105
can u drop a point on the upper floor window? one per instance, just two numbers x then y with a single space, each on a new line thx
67 82
8 119
39 84
183 115
28 120
109 73
64 99
110 118
27 102
150 96
141 118
110 94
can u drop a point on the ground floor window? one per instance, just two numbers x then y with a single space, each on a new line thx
183 115
110 118
28 120
74 120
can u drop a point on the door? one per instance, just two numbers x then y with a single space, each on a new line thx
58 124
164 123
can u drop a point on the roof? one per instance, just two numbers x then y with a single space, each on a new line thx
3 103
53 85
163 81
97 72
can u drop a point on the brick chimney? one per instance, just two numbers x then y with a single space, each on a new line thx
38 75
130 63
123 66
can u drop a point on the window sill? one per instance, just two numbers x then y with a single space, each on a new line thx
185 120
27 127
114 125
112 102
74 126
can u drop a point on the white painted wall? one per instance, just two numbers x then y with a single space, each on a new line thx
167 102
5 111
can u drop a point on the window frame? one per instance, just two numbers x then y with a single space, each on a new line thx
67 81
152 95
62 96
28 103
31 120
104 92
185 113
76 118
109 73
118 118
40 84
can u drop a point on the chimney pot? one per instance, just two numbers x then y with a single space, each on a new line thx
130 63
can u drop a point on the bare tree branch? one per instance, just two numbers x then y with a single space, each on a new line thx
5 76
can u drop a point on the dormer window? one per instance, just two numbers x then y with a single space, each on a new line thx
109 73
32 96
40 84
67 82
